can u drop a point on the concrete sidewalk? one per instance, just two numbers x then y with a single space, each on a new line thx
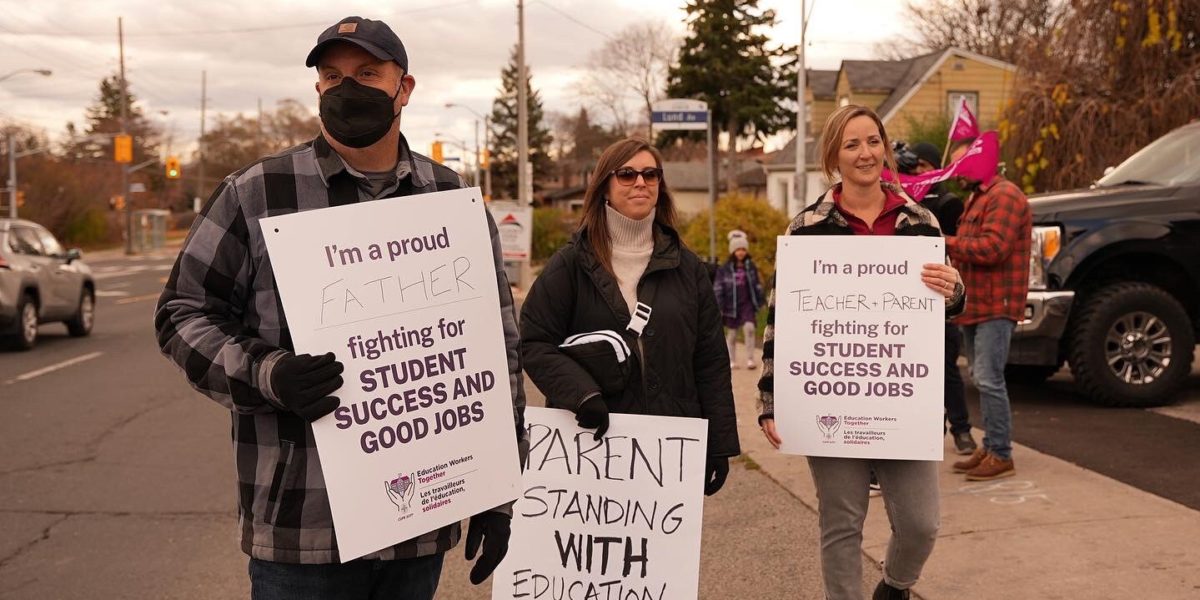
1055 530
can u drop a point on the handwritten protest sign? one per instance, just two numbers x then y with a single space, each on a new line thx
859 347
404 292
615 518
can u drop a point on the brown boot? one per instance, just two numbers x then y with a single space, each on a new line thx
992 467
970 462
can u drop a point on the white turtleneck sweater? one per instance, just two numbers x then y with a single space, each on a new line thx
632 245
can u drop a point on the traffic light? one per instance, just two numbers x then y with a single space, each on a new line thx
117 202
20 198
173 170
123 148
436 152
487 158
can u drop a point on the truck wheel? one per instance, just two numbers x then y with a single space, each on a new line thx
1029 374
1131 344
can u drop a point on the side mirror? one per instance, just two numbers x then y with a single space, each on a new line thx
73 254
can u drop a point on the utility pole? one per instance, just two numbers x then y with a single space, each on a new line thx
524 185
200 151
124 127
258 131
801 183
12 174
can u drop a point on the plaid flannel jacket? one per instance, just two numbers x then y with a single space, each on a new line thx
992 252
823 218
220 320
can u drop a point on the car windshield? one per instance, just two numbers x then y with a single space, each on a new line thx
1173 159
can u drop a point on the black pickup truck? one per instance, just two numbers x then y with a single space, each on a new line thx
1115 278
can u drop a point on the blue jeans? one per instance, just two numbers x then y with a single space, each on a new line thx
407 579
987 350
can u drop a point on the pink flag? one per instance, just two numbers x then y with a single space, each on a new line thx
979 163
964 126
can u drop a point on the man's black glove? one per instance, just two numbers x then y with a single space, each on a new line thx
492 529
303 382
593 414
716 469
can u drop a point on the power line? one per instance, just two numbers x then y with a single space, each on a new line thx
572 19
87 34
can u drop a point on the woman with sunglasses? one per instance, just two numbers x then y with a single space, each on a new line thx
627 271
854 149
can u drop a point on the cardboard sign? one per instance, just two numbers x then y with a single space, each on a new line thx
614 518
403 291
859 347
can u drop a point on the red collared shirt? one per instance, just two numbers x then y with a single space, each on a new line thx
991 251
885 223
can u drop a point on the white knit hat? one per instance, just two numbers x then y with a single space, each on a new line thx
738 239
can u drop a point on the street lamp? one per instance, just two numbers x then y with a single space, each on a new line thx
42 72
12 149
487 171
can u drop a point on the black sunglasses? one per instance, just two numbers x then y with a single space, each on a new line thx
629 175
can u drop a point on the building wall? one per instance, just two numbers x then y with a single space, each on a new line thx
993 85
820 111
781 195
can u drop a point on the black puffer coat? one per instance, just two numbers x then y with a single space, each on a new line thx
681 368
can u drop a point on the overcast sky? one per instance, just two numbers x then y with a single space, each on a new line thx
255 51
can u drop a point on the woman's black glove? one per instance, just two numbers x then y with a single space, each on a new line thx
492 529
593 414
303 383
716 469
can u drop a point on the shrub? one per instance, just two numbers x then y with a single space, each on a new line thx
761 223
552 229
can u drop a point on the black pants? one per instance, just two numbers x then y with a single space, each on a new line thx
956 393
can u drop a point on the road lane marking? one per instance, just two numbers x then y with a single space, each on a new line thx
111 293
132 299
52 368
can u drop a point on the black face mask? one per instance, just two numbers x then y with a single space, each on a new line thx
357 115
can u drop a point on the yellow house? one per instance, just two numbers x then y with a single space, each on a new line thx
918 90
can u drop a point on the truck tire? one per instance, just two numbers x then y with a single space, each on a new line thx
1130 344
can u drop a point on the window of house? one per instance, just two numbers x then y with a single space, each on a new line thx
954 100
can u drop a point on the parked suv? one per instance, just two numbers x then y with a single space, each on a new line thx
1115 278
39 283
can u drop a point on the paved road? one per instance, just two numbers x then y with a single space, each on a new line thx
116 478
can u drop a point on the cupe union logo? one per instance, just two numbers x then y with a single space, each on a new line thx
401 490
829 426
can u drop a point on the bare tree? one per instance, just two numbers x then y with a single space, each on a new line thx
1112 81
630 67
1001 29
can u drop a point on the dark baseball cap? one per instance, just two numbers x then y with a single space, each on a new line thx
928 153
373 36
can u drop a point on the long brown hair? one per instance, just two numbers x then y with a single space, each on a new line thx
594 224
831 139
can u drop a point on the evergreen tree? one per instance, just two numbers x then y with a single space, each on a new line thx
504 134
725 61
104 121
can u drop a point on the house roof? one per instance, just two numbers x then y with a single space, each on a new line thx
874 76
785 158
917 68
823 84
691 176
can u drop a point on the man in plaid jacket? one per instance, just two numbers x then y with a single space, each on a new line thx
220 320
991 250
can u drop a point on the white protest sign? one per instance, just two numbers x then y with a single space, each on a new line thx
859 347
615 518
515 223
403 290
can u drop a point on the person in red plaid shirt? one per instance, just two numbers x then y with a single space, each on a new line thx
991 250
